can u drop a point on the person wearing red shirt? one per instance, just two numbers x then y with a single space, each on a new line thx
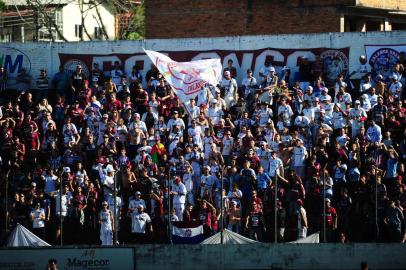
330 219
113 104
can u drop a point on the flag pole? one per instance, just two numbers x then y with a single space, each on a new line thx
222 206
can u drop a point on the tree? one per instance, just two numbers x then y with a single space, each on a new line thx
2 5
136 28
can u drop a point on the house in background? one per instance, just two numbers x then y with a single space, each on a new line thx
57 20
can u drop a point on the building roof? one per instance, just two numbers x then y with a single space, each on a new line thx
45 2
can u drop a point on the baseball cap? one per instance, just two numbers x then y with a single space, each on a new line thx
328 200
105 203
357 102
33 184
137 193
226 72
272 69
105 115
66 170
213 101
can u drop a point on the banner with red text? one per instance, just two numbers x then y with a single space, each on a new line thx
187 78
331 61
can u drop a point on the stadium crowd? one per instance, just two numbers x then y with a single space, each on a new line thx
92 155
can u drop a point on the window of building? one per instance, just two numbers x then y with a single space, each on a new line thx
78 30
98 33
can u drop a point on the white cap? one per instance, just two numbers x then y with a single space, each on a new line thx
272 69
395 77
285 68
305 56
309 88
357 102
105 115
214 101
110 168
226 72
66 170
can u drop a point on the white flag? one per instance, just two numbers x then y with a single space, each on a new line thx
187 78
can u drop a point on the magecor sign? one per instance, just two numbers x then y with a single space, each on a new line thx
68 259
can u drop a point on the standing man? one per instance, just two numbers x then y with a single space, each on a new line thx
106 222
179 197
139 223
38 220
42 85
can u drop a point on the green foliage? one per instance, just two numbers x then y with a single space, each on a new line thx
136 28
2 6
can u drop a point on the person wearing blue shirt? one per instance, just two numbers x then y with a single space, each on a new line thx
263 180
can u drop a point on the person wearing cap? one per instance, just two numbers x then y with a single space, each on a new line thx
135 202
179 196
330 219
357 116
395 88
106 222
176 121
229 89
299 156
270 81
107 180
215 112
140 225
233 218
255 222
265 69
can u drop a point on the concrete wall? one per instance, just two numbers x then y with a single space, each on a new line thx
285 256
38 55
210 257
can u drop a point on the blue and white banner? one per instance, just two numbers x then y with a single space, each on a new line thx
382 58
187 235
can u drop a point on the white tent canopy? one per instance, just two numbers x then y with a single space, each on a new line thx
229 237
22 237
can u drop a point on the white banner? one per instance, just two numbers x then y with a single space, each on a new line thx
187 78
382 58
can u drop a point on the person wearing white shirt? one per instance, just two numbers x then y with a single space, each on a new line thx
264 155
395 88
135 202
374 133
265 69
204 96
275 166
179 197
227 144
357 117
188 180
215 113
338 117
38 220
373 97
193 111
116 74
175 120
230 87
119 205
139 222
285 109
365 103
106 222
299 158
249 84
137 123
